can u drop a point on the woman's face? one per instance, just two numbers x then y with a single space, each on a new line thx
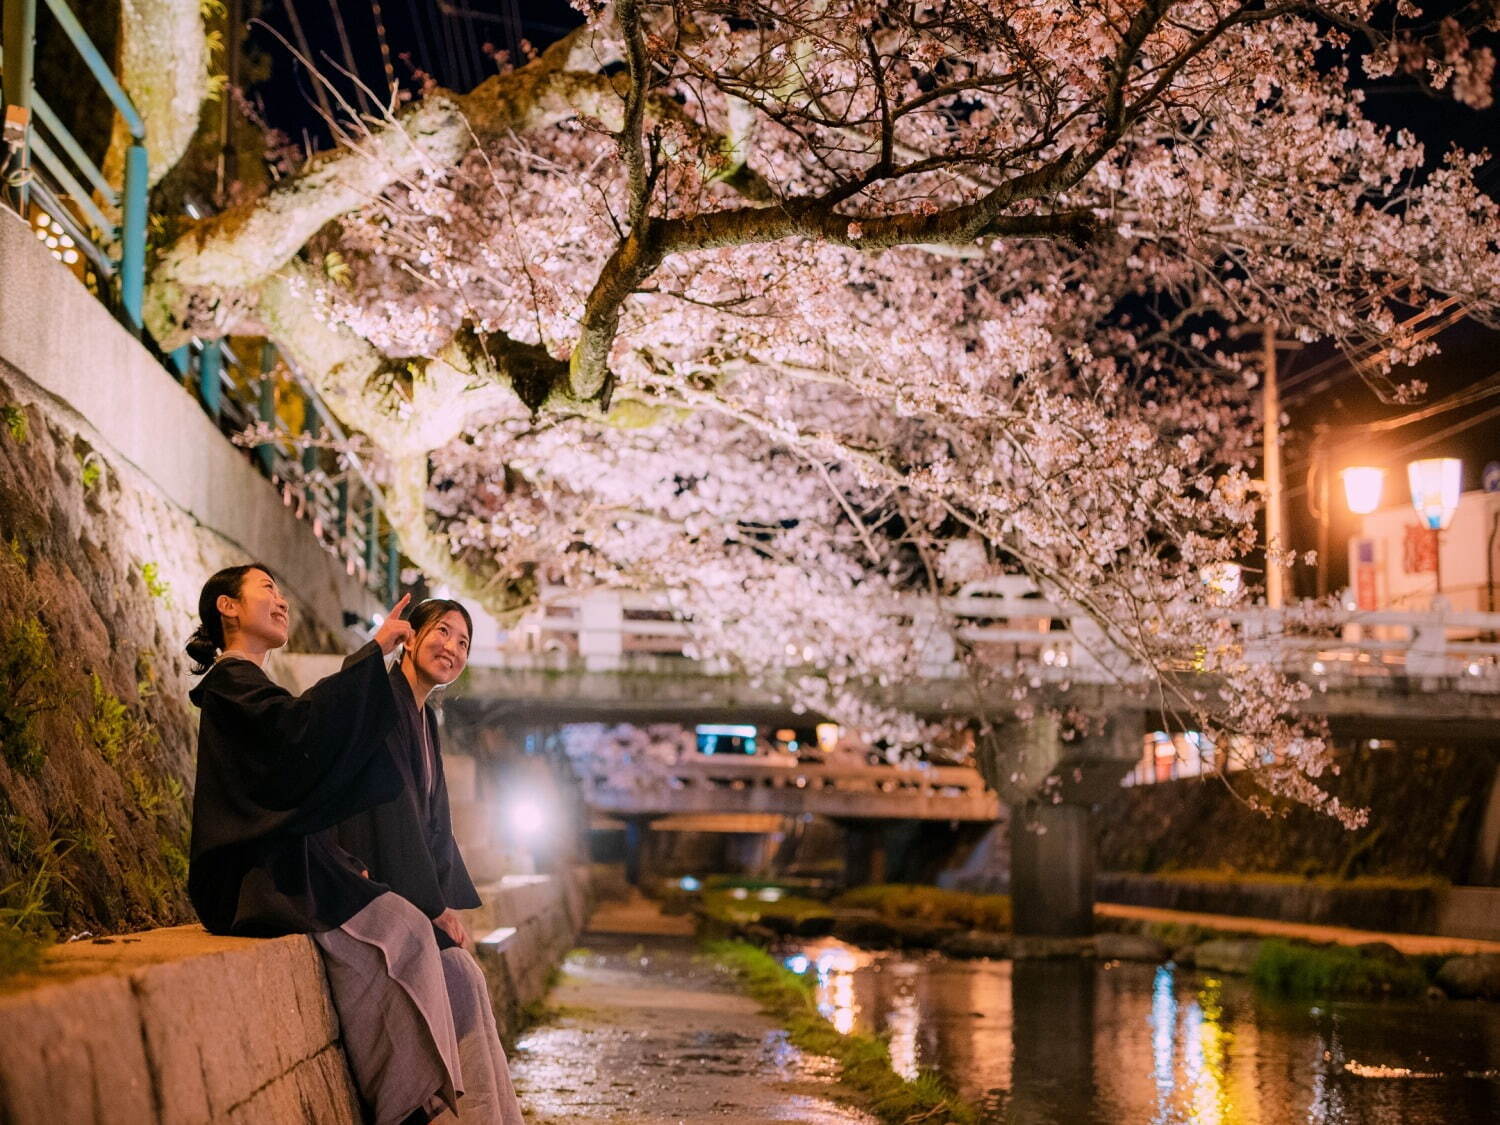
443 649
258 616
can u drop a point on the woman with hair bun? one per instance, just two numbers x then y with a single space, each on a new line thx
276 773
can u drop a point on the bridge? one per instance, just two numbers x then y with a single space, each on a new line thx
740 785
621 656
1428 676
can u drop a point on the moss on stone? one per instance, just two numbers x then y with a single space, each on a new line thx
1294 969
905 902
27 689
112 727
13 419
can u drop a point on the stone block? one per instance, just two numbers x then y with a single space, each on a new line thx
1476 976
221 1026
74 1053
318 1089
1129 947
977 943
1035 947
1228 955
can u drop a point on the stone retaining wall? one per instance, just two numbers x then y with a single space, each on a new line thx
1467 912
179 1027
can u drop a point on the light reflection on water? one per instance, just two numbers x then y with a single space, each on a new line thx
1073 1043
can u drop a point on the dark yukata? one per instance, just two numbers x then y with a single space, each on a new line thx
407 844
276 773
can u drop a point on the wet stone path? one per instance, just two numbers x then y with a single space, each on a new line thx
641 1032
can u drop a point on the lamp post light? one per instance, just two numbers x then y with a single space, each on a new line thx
1435 486
1362 488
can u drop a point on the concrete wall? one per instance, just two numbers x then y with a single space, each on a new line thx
61 340
178 1027
1462 912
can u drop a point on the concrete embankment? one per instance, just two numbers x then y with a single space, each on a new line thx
177 1026
1460 912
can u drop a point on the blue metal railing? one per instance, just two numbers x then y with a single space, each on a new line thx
108 225
117 248
330 490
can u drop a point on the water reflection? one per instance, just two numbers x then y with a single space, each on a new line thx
1078 1043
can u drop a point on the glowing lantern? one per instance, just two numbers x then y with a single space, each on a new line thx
1435 485
1362 486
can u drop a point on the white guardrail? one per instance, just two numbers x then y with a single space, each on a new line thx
1004 622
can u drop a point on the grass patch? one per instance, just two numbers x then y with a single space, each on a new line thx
864 1061
13 421
26 683
902 902
722 905
20 952
1304 970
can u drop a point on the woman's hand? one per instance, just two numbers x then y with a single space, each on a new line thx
393 630
452 925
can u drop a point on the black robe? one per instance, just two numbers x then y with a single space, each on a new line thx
407 843
276 772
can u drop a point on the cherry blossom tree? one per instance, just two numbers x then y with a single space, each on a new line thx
814 313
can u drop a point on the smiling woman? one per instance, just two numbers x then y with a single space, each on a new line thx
408 845
276 772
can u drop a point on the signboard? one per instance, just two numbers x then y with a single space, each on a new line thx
1419 550
1366 591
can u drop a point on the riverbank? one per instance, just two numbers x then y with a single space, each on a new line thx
1286 957
642 1030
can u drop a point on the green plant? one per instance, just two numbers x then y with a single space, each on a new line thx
864 1061
144 792
26 903
114 731
25 671
145 675
91 833
93 471
20 952
13 418
156 586
1304 970
174 855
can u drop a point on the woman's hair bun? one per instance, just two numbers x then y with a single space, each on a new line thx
203 649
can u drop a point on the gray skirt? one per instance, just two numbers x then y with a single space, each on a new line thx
416 1024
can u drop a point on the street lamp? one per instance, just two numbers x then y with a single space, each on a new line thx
1362 487
1435 486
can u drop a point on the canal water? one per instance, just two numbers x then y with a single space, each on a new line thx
1082 1043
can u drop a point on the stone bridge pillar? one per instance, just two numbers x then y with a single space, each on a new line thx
636 828
864 852
1051 780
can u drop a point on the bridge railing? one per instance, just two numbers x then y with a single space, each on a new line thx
1005 622
728 783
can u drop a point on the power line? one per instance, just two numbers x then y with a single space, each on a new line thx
1485 388
424 54
343 34
307 58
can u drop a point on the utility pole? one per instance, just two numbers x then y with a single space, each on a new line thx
1270 407
1319 502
